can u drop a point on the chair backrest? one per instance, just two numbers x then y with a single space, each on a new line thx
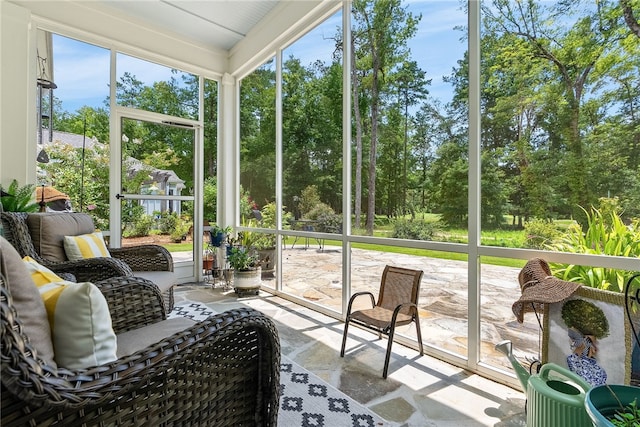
398 286
16 231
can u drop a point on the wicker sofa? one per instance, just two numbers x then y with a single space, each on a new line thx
223 371
40 236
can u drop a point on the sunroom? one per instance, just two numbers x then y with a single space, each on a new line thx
279 128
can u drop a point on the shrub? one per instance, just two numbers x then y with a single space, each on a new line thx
168 222
319 210
142 226
330 223
414 230
539 233
180 230
309 201
604 235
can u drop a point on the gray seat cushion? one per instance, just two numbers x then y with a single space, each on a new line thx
131 341
165 280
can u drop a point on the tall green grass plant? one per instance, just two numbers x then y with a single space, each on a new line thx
603 235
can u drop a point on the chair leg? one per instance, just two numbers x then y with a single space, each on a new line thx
388 355
417 320
344 337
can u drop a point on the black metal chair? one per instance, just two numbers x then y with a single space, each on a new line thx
397 305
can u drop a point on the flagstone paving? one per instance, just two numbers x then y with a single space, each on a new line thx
419 391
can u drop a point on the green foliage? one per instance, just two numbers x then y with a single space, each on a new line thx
318 210
241 258
167 222
414 229
180 230
266 240
539 233
140 227
627 417
310 200
210 197
604 235
88 191
21 199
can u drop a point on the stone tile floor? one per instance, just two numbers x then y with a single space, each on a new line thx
420 391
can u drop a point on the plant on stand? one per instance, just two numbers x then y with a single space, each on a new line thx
246 270
219 234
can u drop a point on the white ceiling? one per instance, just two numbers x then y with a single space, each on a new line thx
218 23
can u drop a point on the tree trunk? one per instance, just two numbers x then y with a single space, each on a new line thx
371 211
358 123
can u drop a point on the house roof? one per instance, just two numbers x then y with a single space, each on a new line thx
72 139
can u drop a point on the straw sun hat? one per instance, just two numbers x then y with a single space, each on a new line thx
539 287
50 194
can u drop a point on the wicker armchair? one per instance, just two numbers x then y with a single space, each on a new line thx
152 262
223 371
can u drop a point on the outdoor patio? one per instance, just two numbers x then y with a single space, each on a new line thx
314 274
420 390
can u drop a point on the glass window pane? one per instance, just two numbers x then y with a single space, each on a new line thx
157 160
78 145
257 143
152 87
556 116
409 143
312 129
312 273
443 291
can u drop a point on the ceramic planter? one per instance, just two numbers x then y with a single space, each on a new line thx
247 282
602 402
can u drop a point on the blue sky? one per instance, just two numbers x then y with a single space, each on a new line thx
81 71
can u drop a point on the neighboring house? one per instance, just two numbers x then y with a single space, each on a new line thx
160 181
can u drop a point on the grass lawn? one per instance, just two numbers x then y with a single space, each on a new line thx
506 238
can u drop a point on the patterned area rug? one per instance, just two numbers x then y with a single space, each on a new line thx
305 399
193 310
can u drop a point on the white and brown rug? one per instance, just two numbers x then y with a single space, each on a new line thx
305 399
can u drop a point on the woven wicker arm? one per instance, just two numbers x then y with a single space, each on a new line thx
145 257
123 294
223 371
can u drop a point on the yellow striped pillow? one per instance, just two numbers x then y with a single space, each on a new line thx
85 246
80 324
40 274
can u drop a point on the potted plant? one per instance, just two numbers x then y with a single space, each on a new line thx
218 234
265 243
18 198
246 270
613 405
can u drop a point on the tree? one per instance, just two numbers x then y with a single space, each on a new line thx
382 29
412 87
574 52
630 15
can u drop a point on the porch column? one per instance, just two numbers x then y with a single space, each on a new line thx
18 88
227 153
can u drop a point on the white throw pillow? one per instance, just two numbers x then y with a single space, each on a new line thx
85 246
80 324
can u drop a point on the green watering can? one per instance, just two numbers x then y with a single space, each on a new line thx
555 396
